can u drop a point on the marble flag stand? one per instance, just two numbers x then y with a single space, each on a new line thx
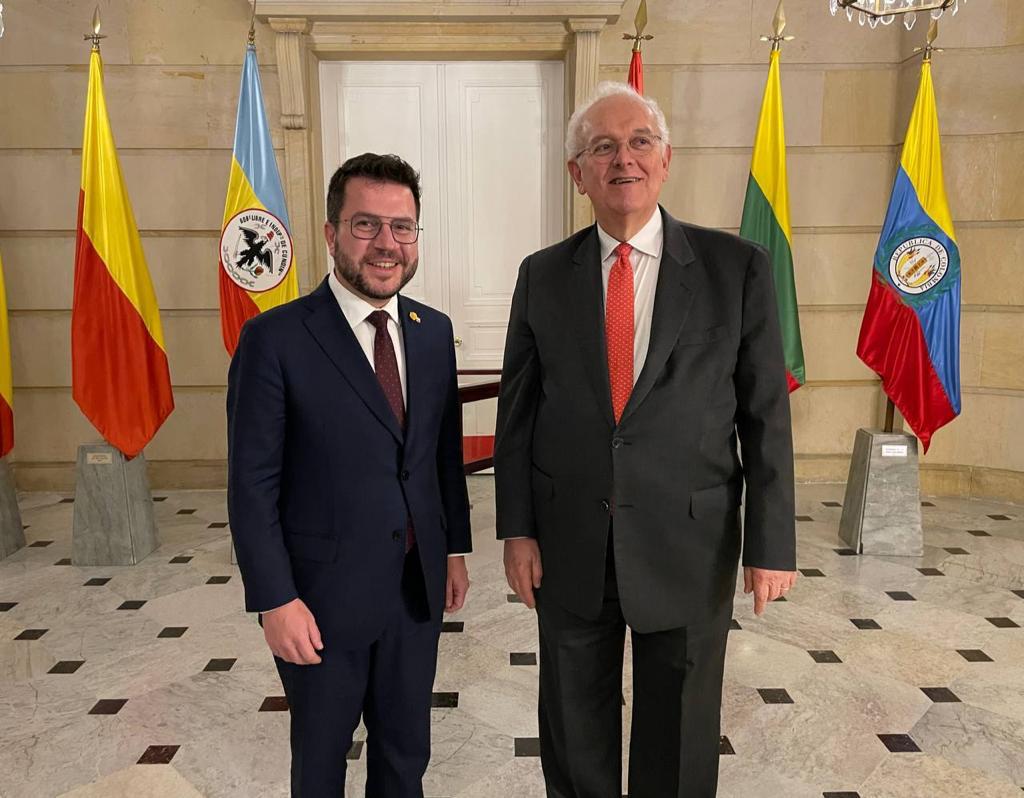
12 534
882 507
114 522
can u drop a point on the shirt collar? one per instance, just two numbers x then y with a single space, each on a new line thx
355 308
648 239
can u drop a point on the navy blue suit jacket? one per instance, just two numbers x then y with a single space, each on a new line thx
322 479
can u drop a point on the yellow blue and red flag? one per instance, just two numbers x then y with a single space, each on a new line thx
256 258
910 334
6 381
119 373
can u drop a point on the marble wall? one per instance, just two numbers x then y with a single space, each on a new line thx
172 72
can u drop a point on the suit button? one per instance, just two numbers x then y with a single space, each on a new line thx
396 536
605 505
405 476
617 442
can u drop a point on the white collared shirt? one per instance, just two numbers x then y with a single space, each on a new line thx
646 259
356 310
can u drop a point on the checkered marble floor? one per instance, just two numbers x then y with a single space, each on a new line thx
879 677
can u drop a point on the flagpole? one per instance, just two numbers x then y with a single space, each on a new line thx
778 26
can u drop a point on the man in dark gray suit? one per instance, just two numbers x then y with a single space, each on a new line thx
642 353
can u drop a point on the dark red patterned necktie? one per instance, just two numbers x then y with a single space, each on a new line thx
386 365
619 329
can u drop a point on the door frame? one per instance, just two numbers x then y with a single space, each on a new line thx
310 31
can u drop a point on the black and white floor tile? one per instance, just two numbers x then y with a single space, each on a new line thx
879 677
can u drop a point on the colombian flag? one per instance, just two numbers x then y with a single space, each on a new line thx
6 382
119 372
256 259
766 218
910 334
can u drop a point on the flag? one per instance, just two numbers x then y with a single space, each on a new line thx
256 260
6 381
119 373
766 218
910 334
636 72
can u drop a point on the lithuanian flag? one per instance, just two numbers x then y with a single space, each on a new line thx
119 373
766 217
6 381
256 258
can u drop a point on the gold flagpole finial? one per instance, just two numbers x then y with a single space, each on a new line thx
95 36
252 26
778 26
929 46
639 22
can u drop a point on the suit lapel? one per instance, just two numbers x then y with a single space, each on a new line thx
412 338
673 296
328 325
586 296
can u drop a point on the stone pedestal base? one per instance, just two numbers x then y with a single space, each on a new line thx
113 508
882 508
12 534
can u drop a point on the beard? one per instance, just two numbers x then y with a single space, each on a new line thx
352 273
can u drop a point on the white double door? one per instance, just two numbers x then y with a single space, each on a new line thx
486 139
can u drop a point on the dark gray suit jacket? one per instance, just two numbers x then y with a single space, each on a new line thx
670 472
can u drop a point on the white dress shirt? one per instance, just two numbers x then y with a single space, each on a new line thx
356 310
646 259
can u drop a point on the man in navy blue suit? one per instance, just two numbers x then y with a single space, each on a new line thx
346 492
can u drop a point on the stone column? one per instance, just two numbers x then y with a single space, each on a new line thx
292 43
114 522
584 62
882 506
12 533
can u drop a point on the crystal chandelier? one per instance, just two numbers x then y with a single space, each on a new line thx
873 12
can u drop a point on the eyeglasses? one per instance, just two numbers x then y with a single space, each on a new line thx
367 227
605 149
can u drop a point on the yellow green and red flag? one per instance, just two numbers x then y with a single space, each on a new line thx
256 257
766 218
119 373
6 380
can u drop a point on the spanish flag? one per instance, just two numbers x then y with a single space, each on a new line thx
256 258
766 218
119 373
910 334
6 381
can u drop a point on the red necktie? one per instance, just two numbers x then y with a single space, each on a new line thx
386 365
618 328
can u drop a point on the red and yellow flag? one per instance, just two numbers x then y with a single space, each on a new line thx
6 381
119 373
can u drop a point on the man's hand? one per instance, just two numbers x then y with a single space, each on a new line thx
457 585
522 568
766 585
292 634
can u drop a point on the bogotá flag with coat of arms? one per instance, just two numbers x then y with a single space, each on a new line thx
910 335
256 259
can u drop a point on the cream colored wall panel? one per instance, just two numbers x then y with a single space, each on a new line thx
50 32
169 190
1014 22
983 434
991 259
833 268
983 177
826 417
40 270
980 92
972 344
1008 168
830 344
149 107
41 349
195 349
1002 360
860 107
196 430
719 107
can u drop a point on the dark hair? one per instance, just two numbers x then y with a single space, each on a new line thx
380 168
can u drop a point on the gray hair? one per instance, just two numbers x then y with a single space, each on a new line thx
575 134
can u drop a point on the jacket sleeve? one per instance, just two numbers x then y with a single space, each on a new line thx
517 410
256 437
763 425
451 474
